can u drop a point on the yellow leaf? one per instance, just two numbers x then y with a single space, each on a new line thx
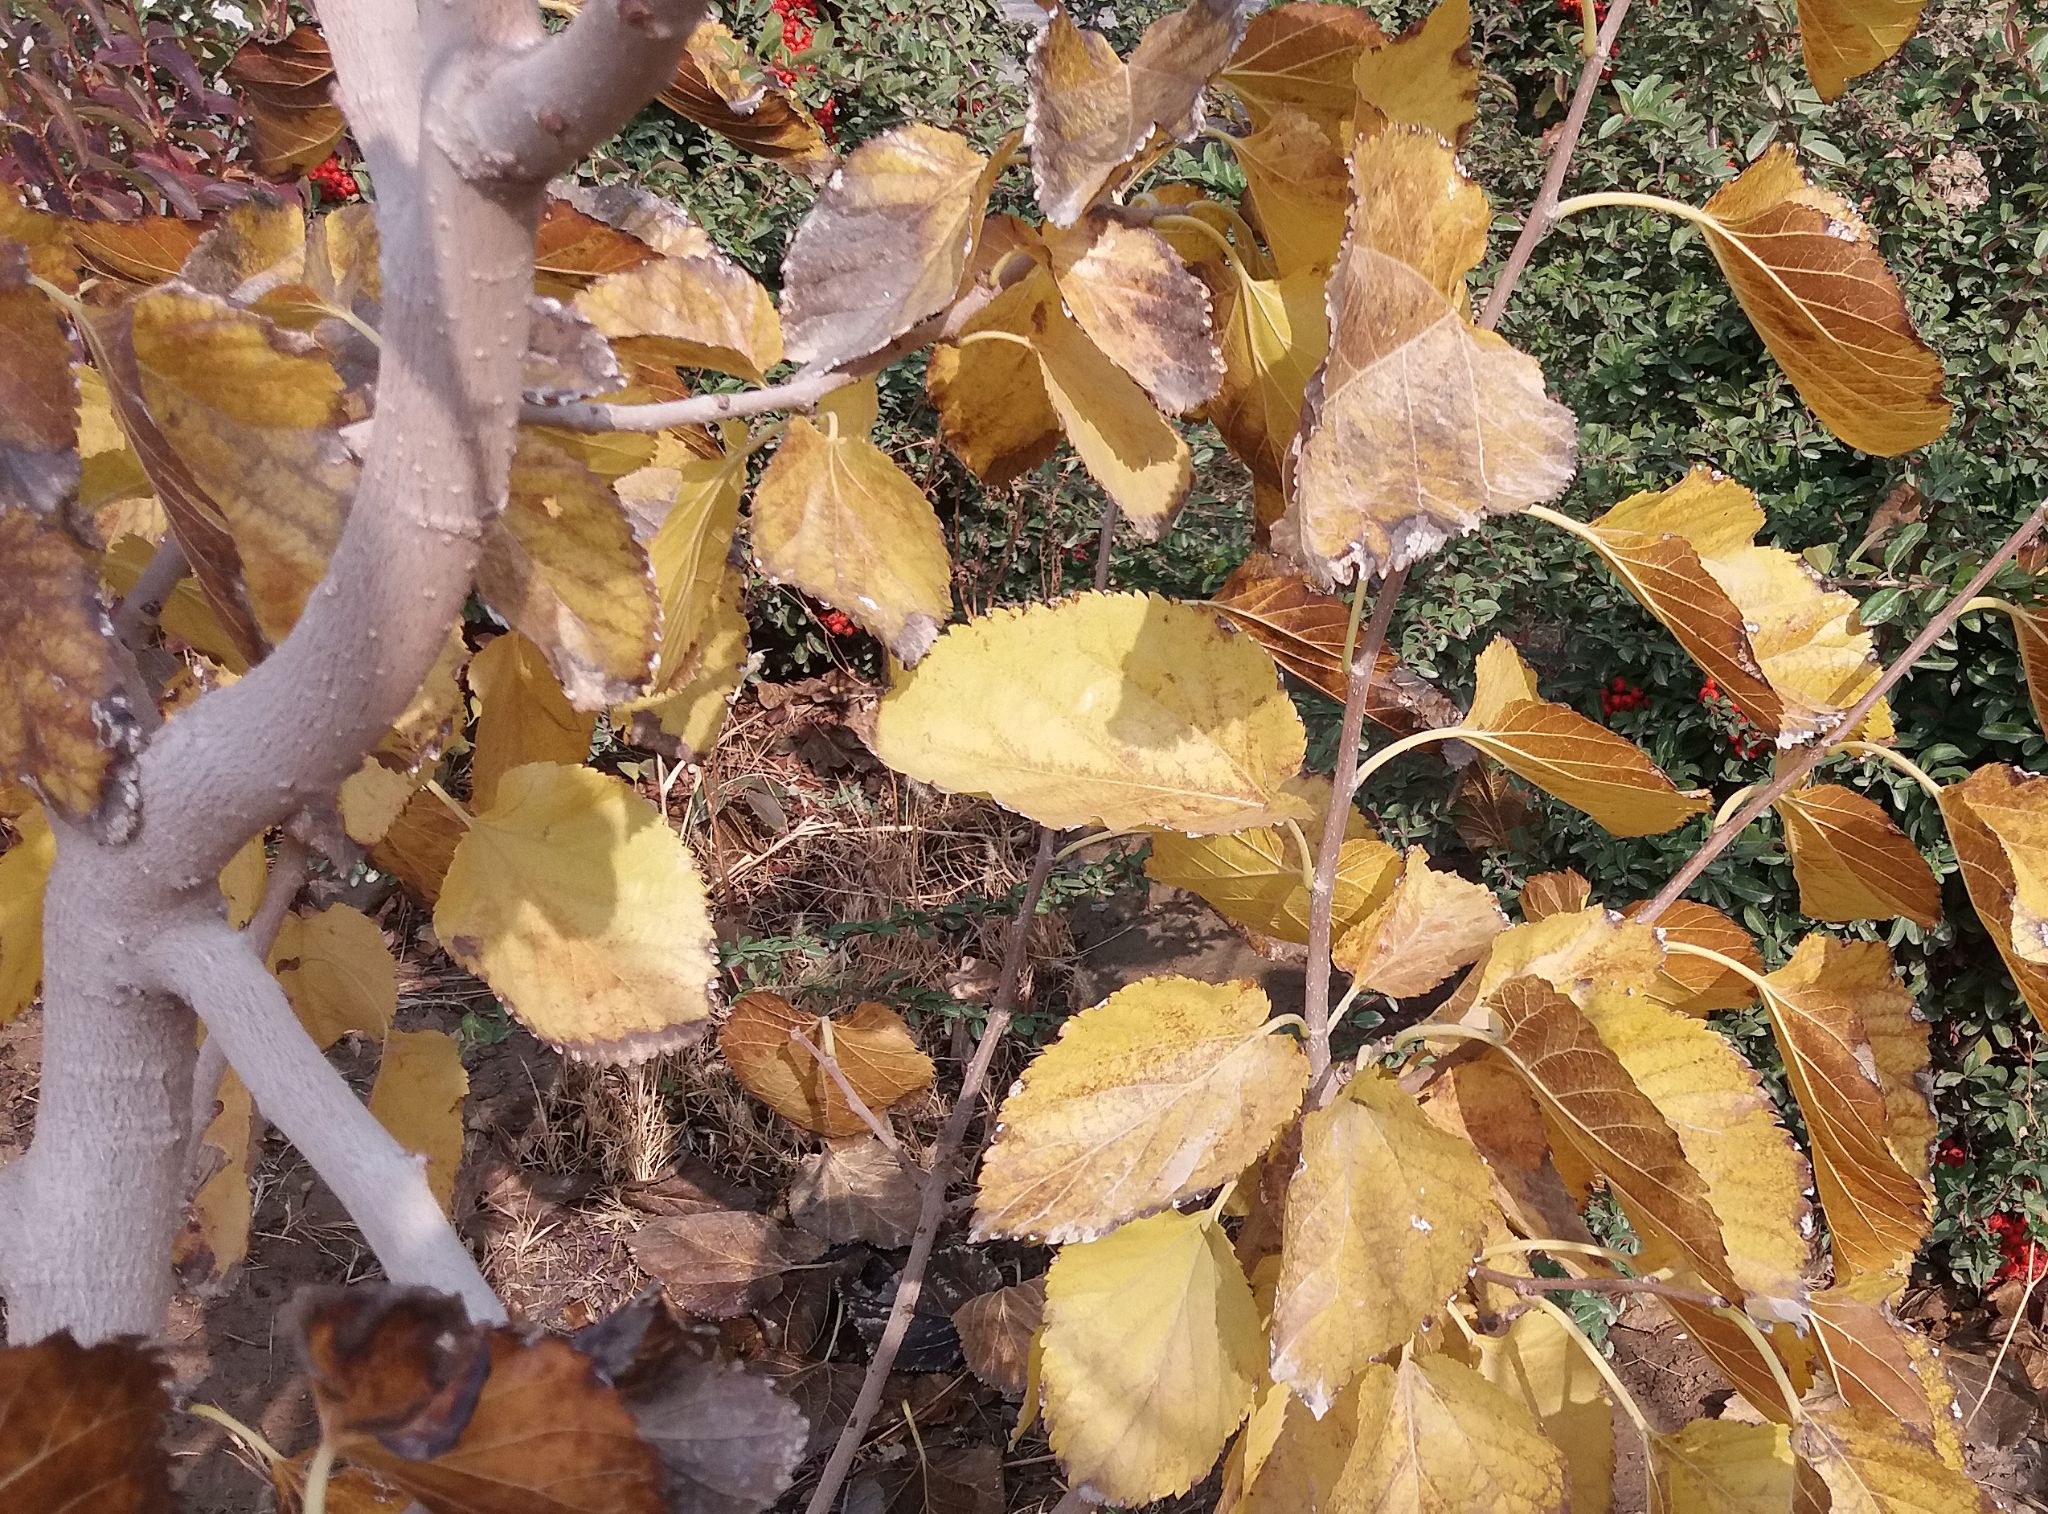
585 914
698 309
1287 1461
1568 756
1294 176
990 395
1852 862
1136 301
1385 1214
1432 924
524 716
1122 709
338 973
242 881
24 869
1414 203
1167 1087
1434 1437
223 1207
1273 335
1872 1464
1418 427
1152 1350
1845 38
1988 870
1258 877
187 615
1721 1466
1301 55
1539 1363
1547 894
1595 1109
835 516
1813 283
1873 1364
1845 1026
854 407
871 1043
562 566
1426 76
1091 112
1754 1174
1486 1105
109 470
418 1097
2019 819
371 800
1574 953
65 722
1694 985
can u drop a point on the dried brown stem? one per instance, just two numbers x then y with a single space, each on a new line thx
1795 771
857 1104
1531 1286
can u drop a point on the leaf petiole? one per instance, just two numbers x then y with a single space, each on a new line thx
1899 760
1405 745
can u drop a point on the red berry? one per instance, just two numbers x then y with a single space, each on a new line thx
1951 1154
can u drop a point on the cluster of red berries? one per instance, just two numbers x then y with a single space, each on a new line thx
2025 1259
333 181
838 623
1951 1154
1621 695
1744 739
799 28
1572 8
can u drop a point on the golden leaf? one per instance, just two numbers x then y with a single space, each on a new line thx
1721 1466
1414 203
1568 756
563 566
2019 819
65 722
338 973
1852 862
1872 1464
1294 175
1128 290
1596 1111
418 1097
1273 334
1694 985
372 798
1434 1437
419 843
583 911
836 516
1426 76
1539 1363
1754 1174
1810 277
524 716
1429 926
223 1208
1287 1461
718 85
1574 953
1385 1215
1258 877
1418 427
24 869
1988 870
1845 38
1091 112
697 310
872 1045
1167 1087
1832 1007
1303 55
150 249
990 394
574 247
1152 1349
1873 1364
1122 709
39 443
1547 894
883 246
1486 1105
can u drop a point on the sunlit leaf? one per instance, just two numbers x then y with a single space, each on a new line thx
1287 1461
1426 76
1872 1464
1846 38
418 1097
1301 55
1168 1087
1429 926
83 1427
718 85
872 1045
1414 203
1873 1363
1722 1466
697 307
24 869
523 716
1539 1363
338 973
1127 289
1435 1437
1693 984
1294 175
1988 870
1852 862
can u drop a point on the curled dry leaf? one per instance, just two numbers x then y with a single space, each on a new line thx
523 716
1301 55
1151 1351
65 722
1852 862
1988 869
1813 283
1490 1109
39 443
1845 38
997 1330
871 1043
288 86
338 972
579 906
1722 1466
835 516
1431 924
1385 1215
82 1427
1129 291
418 1097
723 1263
856 1190
1091 112
1433 1434
1425 76
718 85
884 245
1090 687
1167 1087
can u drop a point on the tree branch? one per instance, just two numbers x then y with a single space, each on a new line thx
280 891
876 1126
143 605
531 117
1789 776
1531 1286
381 1184
805 388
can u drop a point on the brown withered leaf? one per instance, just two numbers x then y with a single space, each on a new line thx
65 722
2019 819
1301 55
1851 861
1696 985
418 845
144 251
721 1264
39 462
718 85
1872 1361
856 1190
573 248
884 245
1988 871
1418 427
1488 806
870 1042
82 1428
966 1480
1493 1110
1810 277
1305 630
1426 76
1562 893
1091 112
1129 291
996 1331
289 87
350 1490
1432 924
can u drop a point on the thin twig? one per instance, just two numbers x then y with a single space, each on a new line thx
1795 771
806 387
136 616
858 1105
1543 214
1531 1286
